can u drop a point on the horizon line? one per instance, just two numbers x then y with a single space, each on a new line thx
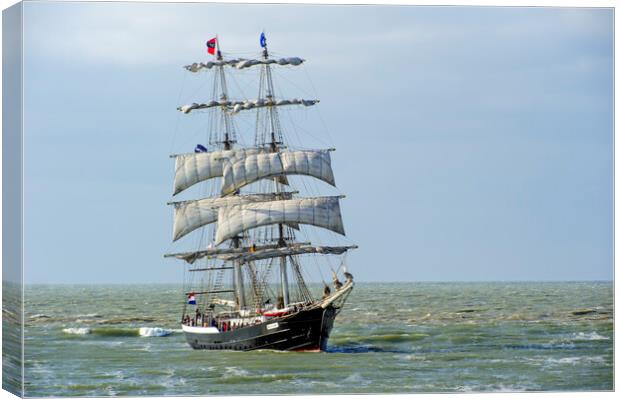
318 282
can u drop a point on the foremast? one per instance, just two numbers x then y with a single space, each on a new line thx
227 143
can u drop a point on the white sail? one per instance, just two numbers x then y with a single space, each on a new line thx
321 212
190 215
193 168
241 63
239 172
239 105
285 251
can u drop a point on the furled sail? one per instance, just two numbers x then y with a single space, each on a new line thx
198 66
190 215
239 172
191 257
320 211
285 251
193 168
241 63
281 61
239 105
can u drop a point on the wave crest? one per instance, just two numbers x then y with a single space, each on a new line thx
77 330
153 332
119 332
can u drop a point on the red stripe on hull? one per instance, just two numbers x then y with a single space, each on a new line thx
315 349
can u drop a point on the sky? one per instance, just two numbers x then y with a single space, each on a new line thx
473 143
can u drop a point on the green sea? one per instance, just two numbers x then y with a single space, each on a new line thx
89 340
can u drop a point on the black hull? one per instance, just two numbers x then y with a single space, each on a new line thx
305 330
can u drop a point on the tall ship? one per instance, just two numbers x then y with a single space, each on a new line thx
256 236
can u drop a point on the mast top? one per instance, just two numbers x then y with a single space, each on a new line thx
218 49
263 44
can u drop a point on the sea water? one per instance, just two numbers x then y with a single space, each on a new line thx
113 340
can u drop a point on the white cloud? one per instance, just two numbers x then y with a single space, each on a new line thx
134 34
142 34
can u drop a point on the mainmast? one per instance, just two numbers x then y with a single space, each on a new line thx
275 147
228 141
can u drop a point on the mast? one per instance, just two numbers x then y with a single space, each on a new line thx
228 143
224 97
238 277
275 143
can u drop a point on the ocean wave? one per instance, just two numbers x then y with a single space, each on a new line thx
90 318
154 332
39 316
388 338
116 332
393 338
582 312
236 371
91 315
545 346
128 320
592 336
503 388
410 357
77 330
120 332
470 310
356 379
235 375
574 360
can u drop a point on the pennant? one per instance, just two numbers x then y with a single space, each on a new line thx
211 46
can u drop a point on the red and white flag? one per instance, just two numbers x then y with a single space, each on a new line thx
211 46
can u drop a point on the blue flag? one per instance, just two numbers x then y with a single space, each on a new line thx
263 40
200 148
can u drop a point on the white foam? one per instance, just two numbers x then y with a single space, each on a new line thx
356 378
577 360
154 332
235 371
90 315
593 336
77 330
565 360
39 316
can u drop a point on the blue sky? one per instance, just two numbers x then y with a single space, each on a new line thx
473 143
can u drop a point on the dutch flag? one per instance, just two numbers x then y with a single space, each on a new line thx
191 299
